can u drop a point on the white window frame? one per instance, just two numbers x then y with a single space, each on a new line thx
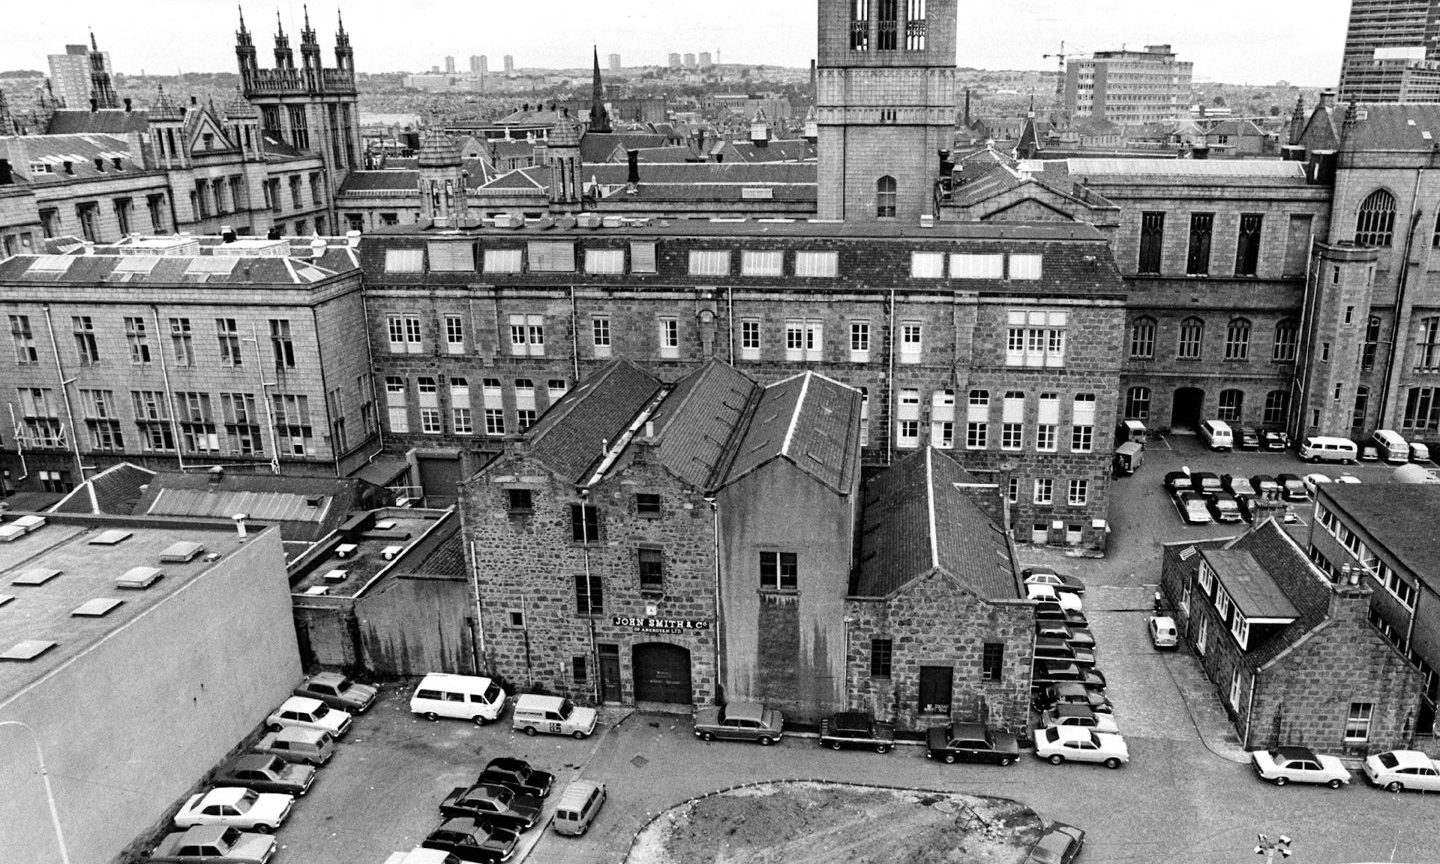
605 261
927 265
527 335
454 334
1026 267
709 262
911 341
551 256
1078 493
601 339
859 341
1044 490
907 434
504 261
404 260
762 262
817 265
669 335
966 266
750 326
804 340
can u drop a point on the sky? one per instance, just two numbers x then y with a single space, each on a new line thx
1234 41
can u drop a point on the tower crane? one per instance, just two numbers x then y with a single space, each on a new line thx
1060 77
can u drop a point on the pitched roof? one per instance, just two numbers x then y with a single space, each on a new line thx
116 490
699 418
381 181
178 269
1294 576
1255 592
81 152
601 146
306 508
278 150
919 517
794 150
808 420
570 435
1414 127
1400 517
106 120
519 178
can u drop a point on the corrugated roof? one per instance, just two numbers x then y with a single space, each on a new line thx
261 506
809 420
570 435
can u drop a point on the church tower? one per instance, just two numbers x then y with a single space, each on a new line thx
599 116
885 106
102 90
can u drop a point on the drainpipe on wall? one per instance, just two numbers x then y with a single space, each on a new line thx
720 676
1249 715
574 336
1296 421
479 632
890 387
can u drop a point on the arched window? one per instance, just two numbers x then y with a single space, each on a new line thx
1375 223
885 197
1237 340
1142 338
1192 334
1277 404
1286 335
1231 404
1137 403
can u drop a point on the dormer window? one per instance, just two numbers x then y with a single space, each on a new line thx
209 139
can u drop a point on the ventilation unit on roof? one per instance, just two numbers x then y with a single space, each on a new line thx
316 590
588 220
30 522
10 533
27 650
385 525
97 608
139 577
36 576
390 552
333 576
182 552
112 537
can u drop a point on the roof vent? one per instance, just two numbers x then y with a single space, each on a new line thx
333 576
182 552
30 522
11 532
389 553
112 537
139 577
97 608
27 650
36 576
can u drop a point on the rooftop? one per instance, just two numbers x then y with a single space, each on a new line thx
1400 517
392 539
1255 592
188 261
808 420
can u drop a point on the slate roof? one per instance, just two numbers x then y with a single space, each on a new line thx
1392 127
109 121
917 520
278 150
265 498
178 269
520 179
569 436
808 420
1295 577
80 150
775 151
1170 171
116 491
699 418
388 180
1400 517
601 146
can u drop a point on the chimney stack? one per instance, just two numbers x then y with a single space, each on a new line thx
127 105
632 180
7 177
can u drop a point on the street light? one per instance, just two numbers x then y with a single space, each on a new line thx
1268 847
45 779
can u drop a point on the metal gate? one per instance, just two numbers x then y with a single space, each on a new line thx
662 673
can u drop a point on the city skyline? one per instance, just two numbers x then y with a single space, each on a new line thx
197 36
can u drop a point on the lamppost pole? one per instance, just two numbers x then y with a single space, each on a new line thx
45 780
1268 847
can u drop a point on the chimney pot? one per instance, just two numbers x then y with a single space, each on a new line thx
94 104
127 105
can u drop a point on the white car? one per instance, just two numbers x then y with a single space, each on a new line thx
236 808
1312 481
1068 601
307 713
1060 744
1080 717
1347 478
1163 633
1398 770
1299 765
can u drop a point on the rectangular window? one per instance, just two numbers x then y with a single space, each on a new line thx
242 424
642 257
709 262
281 344
404 260
779 571
652 569
600 335
24 339
527 335
503 260
152 415
494 421
927 265
1012 490
1082 418
454 334
451 257
936 690
85 346
749 339
762 263
197 423
1247 245
669 338
589 595
396 412
403 332
1079 494
992 661
977 435
817 265
584 523
180 339
647 504
227 334
604 260
964 266
1357 722
1025 267
519 501
1044 491
1036 339
1197 261
803 340
138 341
102 420
579 669
910 342
1152 239
551 257
292 424
882 653
859 341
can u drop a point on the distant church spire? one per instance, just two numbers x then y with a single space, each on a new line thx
599 117
102 91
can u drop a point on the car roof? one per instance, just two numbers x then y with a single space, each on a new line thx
301 733
507 762
327 678
300 703
1410 759
745 710
204 834
967 730
577 793
225 795
1072 709
1291 753
255 760
1164 619
1072 733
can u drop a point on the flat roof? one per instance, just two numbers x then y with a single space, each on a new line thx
1399 516
1249 585
44 612
349 563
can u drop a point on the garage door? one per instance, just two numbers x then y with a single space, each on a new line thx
662 673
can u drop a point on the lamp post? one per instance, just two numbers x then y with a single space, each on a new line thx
45 779
1267 847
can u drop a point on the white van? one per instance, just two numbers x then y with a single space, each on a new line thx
1391 446
1319 448
1419 452
467 697
1217 435
534 713
579 804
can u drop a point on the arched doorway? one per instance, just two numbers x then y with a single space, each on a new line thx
1189 404
662 673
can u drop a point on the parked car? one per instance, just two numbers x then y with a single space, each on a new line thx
1299 765
1193 508
1249 438
338 691
1225 507
971 742
1079 715
1265 485
1060 744
1071 693
1177 481
295 744
1369 453
1061 582
1062 672
1206 482
236 807
267 773
740 721
554 715
308 713
1292 487
1347 478
1274 440
517 775
1080 637
1238 486
1059 649
1060 844
1048 610
855 729
1313 482
1163 633
213 844
1399 770
1066 599
473 839
496 805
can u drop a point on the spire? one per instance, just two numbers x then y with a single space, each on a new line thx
279 26
340 17
93 46
599 117
241 10
1297 120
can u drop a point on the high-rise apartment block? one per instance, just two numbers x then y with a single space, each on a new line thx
1391 52
614 62
1128 87
509 64
674 60
82 73
705 60
449 65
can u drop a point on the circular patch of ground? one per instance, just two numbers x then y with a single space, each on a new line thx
822 823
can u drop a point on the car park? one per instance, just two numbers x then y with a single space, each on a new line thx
338 691
1066 599
496 805
1347 478
1060 844
1059 649
856 729
1071 714
1266 486
1224 508
307 713
1071 693
1249 438
553 714
464 697
740 721
1061 582
1060 744
1193 508
470 838
579 804
1292 487
298 744
1275 440
1392 447
1177 481
1419 452
1163 634
1080 637
1128 458
1049 610
971 742
1284 765
517 775
265 772
213 844
237 807
1321 448
1403 770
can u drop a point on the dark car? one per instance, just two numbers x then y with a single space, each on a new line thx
1065 672
971 742
266 773
1077 636
1265 486
1249 438
1177 481
472 839
1236 485
856 729
1205 482
1225 508
496 805
1059 649
1063 582
1060 844
1292 487
516 775
1276 440
1049 610
1071 694
338 691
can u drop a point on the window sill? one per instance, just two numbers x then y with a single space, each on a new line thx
652 592
779 592
520 513
648 515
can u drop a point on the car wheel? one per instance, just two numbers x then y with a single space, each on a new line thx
1394 786
1281 780
766 742
481 721
882 748
949 758
1112 763
530 730
264 829
707 736
834 745
276 727
431 716
1006 761
1056 759
578 735
1336 783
